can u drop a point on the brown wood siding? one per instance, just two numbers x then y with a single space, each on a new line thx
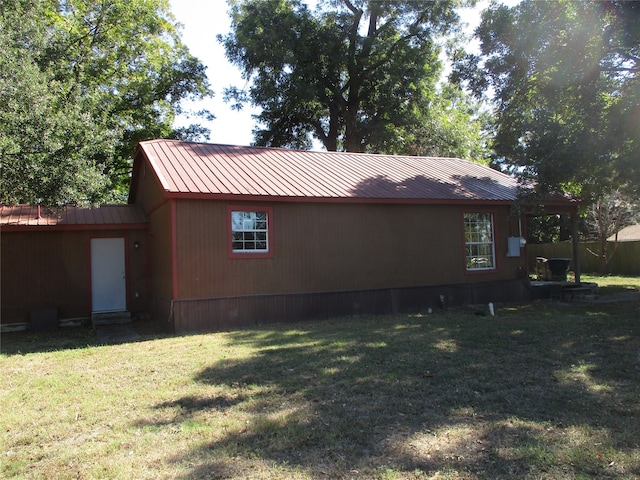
326 247
149 193
138 288
233 312
160 268
42 269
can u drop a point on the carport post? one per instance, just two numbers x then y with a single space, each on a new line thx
574 241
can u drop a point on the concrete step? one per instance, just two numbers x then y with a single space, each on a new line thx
110 318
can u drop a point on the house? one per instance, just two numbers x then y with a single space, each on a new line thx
240 235
630 233
624 253
237 235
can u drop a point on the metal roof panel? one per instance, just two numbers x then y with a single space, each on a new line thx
27 215
201 168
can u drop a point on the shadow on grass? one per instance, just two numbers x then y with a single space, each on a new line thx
613 285
526 394
617 289
72 338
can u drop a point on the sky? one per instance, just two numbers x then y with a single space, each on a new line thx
202 21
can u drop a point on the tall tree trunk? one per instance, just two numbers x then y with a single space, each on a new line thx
604 263
352 140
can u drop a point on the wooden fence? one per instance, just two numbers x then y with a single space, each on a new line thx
626 260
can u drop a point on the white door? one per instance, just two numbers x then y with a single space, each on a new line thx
108 282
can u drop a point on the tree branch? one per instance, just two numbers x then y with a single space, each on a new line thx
352 7
396 44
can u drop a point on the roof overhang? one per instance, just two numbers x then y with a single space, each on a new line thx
27 218
347 200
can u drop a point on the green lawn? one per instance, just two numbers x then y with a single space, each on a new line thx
608 284
548 390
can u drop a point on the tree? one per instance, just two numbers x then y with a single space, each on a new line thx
566 85
357 75
452 125
550 228
606 217
81 83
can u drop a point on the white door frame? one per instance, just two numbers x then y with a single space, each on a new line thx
108 274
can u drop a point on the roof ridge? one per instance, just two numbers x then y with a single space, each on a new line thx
286 149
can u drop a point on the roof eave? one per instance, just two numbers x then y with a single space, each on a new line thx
68 227
349 200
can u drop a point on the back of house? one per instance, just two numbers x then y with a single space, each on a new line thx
218 236
244 235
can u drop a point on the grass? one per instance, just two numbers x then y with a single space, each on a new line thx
541 391
608 284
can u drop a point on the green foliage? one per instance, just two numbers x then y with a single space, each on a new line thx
548 228
82 82
567 91
355 75
451 124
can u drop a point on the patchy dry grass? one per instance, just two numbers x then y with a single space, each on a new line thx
608 284
541 391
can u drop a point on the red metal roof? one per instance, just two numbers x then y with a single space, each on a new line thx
107 215
200 169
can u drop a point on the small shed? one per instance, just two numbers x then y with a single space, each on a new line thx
72 264
245 235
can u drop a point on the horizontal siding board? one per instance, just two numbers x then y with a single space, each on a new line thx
235 312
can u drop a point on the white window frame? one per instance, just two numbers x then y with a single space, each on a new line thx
248 226
479 241
248 230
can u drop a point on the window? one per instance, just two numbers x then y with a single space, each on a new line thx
479 244
249 231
